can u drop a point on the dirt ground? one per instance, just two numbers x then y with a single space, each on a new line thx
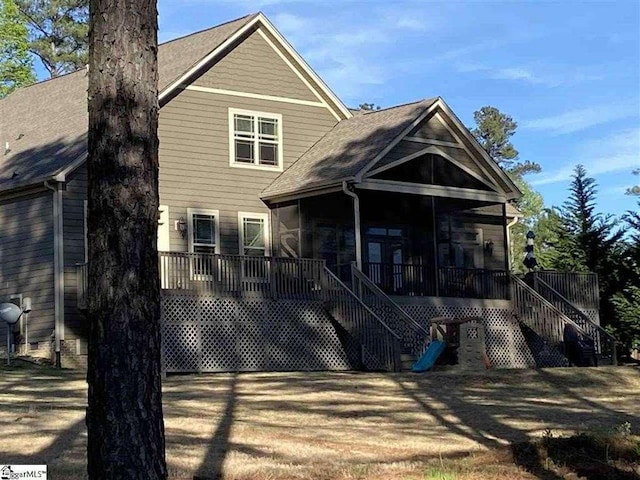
327 425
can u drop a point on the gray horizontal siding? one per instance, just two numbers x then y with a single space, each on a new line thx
255 67
73 214
327 98
194 157
26 258
492 229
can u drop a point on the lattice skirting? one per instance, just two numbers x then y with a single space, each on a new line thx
206 334
505 344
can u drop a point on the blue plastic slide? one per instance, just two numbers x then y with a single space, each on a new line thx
428 358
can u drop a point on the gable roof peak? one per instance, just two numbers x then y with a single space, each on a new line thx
426 101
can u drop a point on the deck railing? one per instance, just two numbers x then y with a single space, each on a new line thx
230 275
540 315
274 277
423 281
581 288
605 343
378 340
473 283
415 338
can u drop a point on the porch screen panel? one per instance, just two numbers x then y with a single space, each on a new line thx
286 230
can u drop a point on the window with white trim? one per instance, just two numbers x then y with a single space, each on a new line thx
255 139
254 233
203 231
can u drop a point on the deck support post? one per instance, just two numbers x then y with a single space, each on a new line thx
435 246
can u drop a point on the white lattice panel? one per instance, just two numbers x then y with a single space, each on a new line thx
209 334
182 351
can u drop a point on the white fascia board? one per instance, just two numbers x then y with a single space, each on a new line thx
304 65
489 161
395 141
431 190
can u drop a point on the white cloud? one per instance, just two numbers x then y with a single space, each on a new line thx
530 75
618 152
583 118
348 56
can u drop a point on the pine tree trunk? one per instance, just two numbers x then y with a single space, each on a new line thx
124 417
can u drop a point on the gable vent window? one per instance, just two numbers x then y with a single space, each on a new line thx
255 140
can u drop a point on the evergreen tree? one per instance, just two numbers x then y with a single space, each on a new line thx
590 241
493 131
16 64
58 33
591 234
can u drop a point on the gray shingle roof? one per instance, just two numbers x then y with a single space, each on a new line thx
345 150
45 124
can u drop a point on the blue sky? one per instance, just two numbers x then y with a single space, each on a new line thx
568 72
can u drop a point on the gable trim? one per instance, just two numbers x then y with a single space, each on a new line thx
298 74
400 161
431 190
430 141
475 175
360 175
204 61
515 191
264 22
434 150
258 96
305 66
471 155
61 176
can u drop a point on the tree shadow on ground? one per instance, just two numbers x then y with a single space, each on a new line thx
212 464
590 457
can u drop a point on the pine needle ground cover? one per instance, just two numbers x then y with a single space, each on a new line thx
555 424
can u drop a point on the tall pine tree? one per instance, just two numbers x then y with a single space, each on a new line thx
590 241
493 131
585 234
58 33
16 64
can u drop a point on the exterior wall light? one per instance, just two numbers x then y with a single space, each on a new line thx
488 247
181 226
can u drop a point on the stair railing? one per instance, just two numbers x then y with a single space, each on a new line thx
377 339
540 315
605 343
415 338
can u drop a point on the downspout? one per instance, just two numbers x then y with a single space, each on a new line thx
356 213
509 248
58 269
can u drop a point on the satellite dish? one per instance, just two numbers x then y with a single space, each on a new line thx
10 312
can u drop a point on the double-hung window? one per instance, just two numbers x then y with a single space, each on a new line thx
255 140
204 237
